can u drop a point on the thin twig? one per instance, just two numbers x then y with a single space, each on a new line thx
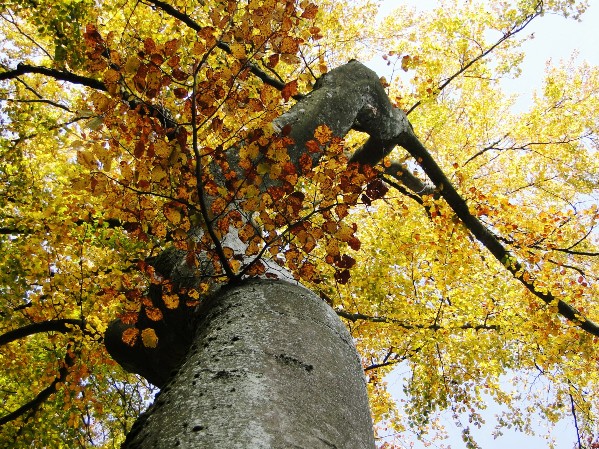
515 29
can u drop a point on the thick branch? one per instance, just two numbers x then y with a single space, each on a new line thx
61 75
14 231
348 97
64 326
351 96
411 143
401 173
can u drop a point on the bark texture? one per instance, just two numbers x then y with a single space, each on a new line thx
271 366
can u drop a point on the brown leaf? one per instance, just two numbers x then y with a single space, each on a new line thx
310 11
149 45
153 313
129 336
289 90
180 92
138 151
342 277
171 47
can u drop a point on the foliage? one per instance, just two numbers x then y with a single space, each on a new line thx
119 119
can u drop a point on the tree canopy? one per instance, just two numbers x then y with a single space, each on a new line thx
468 253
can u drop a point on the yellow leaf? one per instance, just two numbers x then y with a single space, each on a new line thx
149 338
158 173
172 214
238 50
86 159
170 301
132 64
111 76
323 134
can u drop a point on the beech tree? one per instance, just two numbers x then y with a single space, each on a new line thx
220 201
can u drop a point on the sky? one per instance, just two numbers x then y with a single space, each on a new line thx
555 39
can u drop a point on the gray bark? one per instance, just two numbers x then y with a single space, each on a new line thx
271 366
348 97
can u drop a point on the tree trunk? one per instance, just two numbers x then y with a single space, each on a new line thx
271 366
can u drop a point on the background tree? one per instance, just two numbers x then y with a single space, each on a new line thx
137 136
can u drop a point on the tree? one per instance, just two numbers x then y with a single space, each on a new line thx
171 170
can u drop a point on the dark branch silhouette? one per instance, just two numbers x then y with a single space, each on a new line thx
353 317
63 325
61 75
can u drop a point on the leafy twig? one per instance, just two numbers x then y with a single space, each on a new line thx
36 402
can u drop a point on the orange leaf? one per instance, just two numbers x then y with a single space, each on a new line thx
307 271
289 90
323 134
314 31
153 313
129 317
170 301
289 45
218 206
341 210
130 336
313 147
309 11
273 60
305 162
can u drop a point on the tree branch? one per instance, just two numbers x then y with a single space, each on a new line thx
61 75
353 317
401 173
512 32
383 364
351 96
39 100
411 143
257 71
60 325
12 231
35 403
200 185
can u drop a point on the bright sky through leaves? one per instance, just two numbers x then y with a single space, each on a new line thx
555 39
